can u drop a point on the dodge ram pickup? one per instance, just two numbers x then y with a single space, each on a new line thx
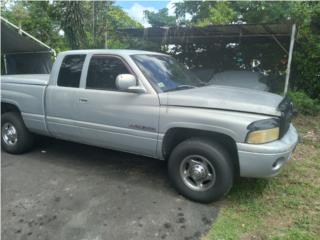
147 103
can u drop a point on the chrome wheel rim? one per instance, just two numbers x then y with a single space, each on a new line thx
9 134
197 173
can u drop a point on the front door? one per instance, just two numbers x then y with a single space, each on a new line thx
115 119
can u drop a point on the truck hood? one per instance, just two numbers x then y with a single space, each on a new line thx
245 79
225 98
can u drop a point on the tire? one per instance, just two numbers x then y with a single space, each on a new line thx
18 139
192 161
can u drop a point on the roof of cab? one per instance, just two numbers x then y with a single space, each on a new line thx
121 52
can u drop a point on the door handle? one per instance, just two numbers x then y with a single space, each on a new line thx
83 99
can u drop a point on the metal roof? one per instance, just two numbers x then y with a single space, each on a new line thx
212 33
121 52
15 40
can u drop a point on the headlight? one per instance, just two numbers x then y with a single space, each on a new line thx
263 131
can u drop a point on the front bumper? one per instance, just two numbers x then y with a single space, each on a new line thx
266 160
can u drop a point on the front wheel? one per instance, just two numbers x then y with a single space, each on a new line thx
201 170
15 137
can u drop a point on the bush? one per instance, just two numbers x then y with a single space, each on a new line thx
304 104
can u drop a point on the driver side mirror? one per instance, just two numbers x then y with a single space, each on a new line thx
128 83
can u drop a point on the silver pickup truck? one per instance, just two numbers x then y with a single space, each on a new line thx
148 104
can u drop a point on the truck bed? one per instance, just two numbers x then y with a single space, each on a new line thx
27 92
31 79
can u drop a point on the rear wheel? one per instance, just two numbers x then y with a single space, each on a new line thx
201 170
15 137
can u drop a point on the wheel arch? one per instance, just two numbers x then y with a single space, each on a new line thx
9 107
176 135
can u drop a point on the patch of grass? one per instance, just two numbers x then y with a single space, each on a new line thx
304 104
284 207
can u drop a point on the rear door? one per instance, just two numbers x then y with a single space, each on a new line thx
61 101
115 119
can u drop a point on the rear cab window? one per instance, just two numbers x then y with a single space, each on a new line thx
70 70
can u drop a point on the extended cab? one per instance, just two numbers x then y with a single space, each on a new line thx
147 103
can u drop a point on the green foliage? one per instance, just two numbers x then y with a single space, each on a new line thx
117 19
304 104
100 21
85 23
72 22
263 11
160 18
306 58
220 13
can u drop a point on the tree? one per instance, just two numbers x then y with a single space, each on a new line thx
306 57
160 19
72 23
100 19
206 12
117 19
86 24
19 13
219 13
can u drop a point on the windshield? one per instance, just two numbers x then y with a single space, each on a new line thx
165 73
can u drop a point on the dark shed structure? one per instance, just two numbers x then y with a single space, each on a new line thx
22 53
220 33
217 38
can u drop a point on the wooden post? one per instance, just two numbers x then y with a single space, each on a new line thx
293 33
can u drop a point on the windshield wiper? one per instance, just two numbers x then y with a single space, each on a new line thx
181 87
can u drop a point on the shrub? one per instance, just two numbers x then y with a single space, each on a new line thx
304 104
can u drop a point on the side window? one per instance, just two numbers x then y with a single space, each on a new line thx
103 71
70 70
